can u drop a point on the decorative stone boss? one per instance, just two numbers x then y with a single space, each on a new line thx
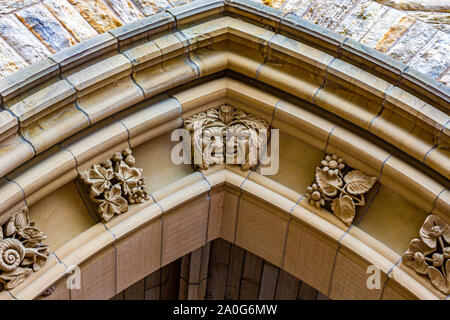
227 132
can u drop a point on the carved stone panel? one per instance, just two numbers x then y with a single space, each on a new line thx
429 254
21 249
115 184
226 132
339 187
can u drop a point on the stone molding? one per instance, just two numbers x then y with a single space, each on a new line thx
137 125
139 68
98 238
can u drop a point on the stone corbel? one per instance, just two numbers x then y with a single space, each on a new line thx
21 249
429 254
115 184
338 187
209 131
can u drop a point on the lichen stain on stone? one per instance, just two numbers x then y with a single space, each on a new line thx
126 11
71 19
151 7
394 33
99 16
7 6
47 29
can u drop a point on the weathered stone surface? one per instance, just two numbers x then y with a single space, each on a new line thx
7 6
425 5
125 10
22 39
151 7
394 33
328 13
176 3
297 7
46 28
381 27
361 19
434 58
71 19
9 60
416 36
97 14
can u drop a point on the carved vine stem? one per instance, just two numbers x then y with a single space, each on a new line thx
21 250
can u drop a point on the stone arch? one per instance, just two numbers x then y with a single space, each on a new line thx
131 87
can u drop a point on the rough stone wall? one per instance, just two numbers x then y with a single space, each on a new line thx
391 31
31 30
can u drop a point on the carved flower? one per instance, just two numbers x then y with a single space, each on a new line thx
438 259
446 252
12 253
99 178
17 222
113 203
415 258
315 197
128 177
332 164
432 229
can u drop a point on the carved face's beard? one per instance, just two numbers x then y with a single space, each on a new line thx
237 147
213 146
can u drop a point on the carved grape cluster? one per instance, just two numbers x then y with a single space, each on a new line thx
344 192
115 183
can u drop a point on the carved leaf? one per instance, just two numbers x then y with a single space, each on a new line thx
10 228
113 203
417 246
128 177
358 182
438 280
99 178
344 209
14 278
328 184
